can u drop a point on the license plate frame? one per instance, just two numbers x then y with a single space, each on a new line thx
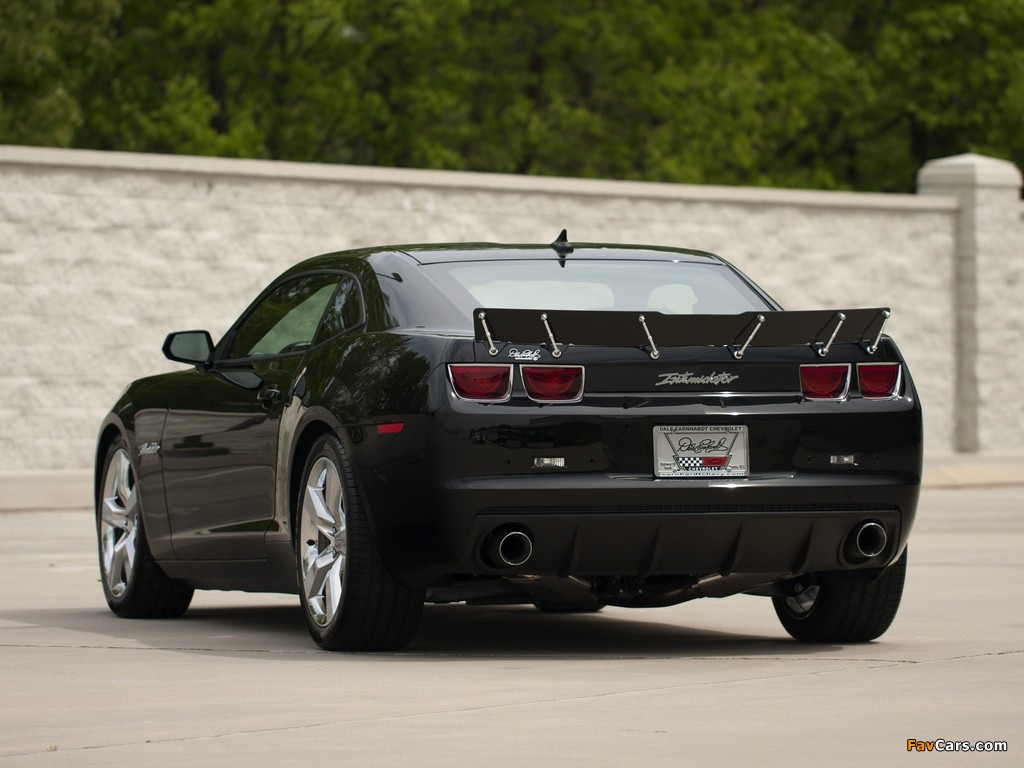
701 451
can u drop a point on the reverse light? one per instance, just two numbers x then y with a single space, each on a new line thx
481 383
553 383
549 462
825 382
879 381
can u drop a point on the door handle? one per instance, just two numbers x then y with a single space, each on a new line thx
269 396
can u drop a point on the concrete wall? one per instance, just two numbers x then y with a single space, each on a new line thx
988 285
101 254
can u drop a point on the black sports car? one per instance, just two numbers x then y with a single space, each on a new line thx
571 426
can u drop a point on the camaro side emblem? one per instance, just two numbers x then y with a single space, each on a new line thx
149 449
525 354
687 377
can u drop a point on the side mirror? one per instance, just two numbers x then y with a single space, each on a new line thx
192 347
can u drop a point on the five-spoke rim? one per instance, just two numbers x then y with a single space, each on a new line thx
323 541
119 515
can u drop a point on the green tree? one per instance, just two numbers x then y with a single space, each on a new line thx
311 80
773 92
701 91
947 76
44 47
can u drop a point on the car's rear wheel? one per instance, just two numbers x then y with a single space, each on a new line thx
134 585
350 601
844 606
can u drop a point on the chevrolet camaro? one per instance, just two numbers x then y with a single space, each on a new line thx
567 426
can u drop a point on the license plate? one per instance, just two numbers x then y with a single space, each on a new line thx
703 451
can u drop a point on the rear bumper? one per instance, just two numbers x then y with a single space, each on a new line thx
441 487
602 525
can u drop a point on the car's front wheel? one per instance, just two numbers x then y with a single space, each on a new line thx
350 601
134 585
844 606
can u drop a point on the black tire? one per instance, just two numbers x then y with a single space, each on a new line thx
134 585
847 606
349 599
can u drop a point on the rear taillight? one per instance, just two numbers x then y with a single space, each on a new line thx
825 382
553 383
483 383
879 381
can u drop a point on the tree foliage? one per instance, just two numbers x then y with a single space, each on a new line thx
771 92
45 47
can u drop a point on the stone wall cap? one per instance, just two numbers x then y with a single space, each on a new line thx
969 170
132 162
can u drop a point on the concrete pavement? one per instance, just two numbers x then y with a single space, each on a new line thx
236 681
973 470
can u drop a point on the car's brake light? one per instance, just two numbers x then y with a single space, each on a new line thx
825 382
879 380
553 383
483 383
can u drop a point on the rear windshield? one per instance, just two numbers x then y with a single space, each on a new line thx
669 287
677 288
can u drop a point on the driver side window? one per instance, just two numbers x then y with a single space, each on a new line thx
286 319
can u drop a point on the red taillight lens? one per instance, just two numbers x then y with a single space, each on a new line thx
486 383
553 383
825 382
879 380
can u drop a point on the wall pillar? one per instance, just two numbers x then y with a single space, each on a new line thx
987 292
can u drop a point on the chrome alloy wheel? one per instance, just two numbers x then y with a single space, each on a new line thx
119 518
323 541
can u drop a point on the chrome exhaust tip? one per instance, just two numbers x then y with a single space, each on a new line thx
866 541
509 547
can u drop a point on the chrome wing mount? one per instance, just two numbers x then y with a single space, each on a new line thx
556 329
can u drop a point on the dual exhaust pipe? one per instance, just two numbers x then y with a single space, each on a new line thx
513 547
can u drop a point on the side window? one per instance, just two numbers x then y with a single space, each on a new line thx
345 311
286 319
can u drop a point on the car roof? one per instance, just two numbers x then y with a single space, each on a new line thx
436 254
440 253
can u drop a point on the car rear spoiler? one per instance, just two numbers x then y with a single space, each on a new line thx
556 328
